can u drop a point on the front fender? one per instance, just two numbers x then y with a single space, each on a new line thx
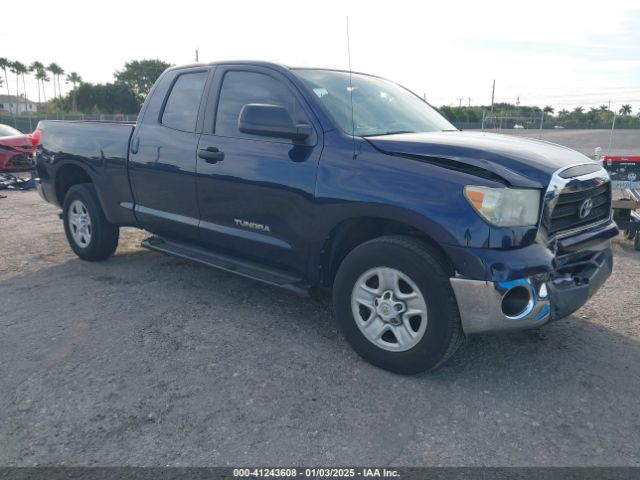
425 196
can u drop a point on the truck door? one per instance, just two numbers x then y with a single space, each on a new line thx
163 155
255 192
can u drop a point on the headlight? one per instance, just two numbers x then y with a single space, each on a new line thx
505 207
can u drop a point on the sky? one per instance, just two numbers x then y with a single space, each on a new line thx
559 53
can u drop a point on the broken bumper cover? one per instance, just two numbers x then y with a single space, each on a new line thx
528 302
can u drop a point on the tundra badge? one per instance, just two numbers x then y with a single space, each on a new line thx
252 225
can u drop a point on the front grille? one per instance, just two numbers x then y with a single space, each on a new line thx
566 214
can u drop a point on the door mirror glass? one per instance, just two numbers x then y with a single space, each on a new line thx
271 121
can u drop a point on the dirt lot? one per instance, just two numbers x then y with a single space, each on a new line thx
149 360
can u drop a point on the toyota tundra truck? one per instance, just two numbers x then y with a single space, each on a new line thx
315 179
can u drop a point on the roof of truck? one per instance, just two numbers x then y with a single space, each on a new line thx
262 63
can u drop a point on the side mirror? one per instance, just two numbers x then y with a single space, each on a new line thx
271 121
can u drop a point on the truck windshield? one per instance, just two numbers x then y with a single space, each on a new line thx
380 107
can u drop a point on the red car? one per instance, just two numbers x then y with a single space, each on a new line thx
16 150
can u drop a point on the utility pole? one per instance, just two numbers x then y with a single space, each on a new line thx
493 91
460 102
613 127
196 55
469 101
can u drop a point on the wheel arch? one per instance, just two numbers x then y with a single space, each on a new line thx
351 232
68 175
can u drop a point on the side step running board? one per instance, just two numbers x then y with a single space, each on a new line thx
228 263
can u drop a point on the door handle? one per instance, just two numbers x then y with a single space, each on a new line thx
211 155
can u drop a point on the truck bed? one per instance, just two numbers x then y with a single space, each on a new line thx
102 148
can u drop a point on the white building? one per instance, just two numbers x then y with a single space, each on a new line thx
16 105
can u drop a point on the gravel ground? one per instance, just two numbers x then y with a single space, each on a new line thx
149 360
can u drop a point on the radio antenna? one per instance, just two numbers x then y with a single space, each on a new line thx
353 126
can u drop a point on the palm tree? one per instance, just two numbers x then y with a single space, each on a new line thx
56 71
41 76
4 64
23 71
60 72
548 110
34 68
563 113
19 69
625 109
51 68
604 108
74 78
13 70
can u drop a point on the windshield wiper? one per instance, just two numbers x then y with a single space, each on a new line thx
392 132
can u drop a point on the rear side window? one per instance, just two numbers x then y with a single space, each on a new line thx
181 109
241 88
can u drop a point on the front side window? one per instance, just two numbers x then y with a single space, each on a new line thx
380 107
242 88
181 109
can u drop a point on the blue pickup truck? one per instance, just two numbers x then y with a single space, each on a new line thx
312 179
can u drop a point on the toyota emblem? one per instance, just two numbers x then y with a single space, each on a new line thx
585 208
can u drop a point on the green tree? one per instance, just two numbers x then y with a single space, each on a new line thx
106 98
140 75
75 79
593 116
625 110
548 110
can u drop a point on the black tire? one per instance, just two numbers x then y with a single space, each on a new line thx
636 241
430 273
104 235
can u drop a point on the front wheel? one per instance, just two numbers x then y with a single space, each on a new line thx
88 232
394 303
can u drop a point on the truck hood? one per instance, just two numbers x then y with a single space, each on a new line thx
513 160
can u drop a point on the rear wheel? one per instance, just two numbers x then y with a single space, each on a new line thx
88 232
394 303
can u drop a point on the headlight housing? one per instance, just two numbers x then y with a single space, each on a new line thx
505 207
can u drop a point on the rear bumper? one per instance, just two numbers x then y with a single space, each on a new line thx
549 287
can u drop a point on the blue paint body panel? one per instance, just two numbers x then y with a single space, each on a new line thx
150 176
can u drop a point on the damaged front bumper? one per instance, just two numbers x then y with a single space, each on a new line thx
490 307
480 304
548 288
